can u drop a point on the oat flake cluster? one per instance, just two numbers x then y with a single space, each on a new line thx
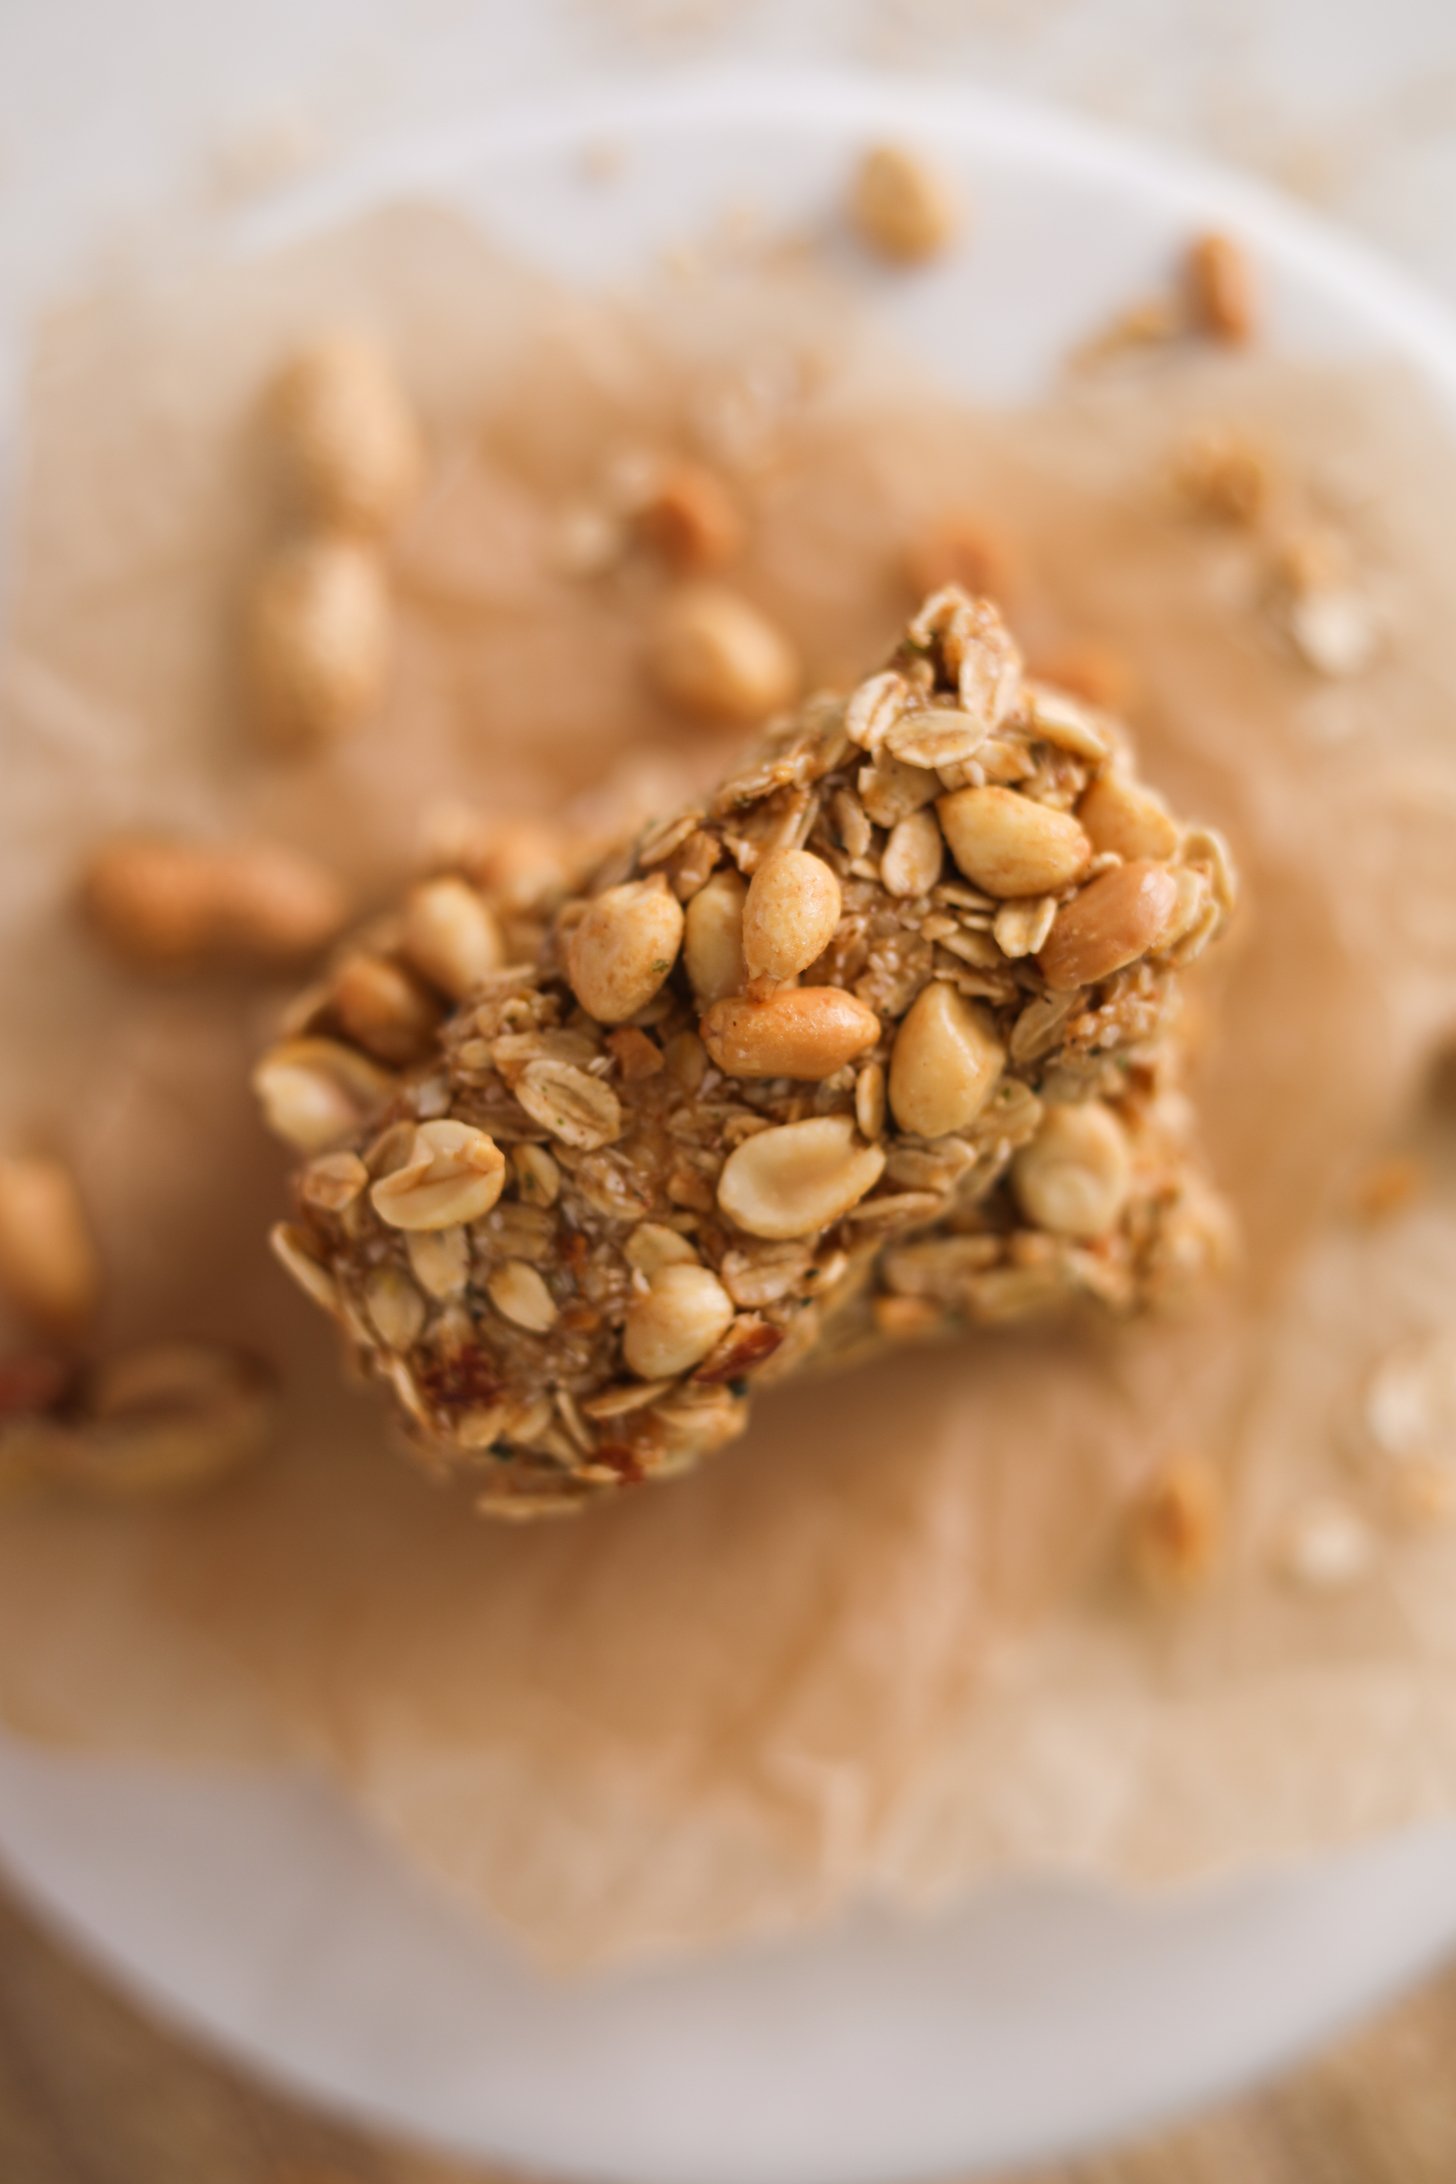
880 1042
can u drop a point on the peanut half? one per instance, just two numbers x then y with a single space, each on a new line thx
1113 920
945 1062
1010 844
806 1032
796 1178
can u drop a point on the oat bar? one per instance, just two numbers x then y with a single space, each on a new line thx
880 1040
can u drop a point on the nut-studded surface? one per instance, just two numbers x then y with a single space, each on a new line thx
545 1345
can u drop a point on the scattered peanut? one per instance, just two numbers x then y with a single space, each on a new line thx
1075 1176
349 434
713 938
957 549
902 207
451 935
684 1313
715 654
944 1064
454 1173
691 518
798 1177
1113 920
802 1031
790 914
1176 1527
48 1265
170 904
1011 845
321 637
1221 287
624 948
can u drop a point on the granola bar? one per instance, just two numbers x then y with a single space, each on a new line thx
881 1039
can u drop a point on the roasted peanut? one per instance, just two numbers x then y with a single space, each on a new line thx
790 914
1123 816
382 1008
944 1063
803 1031
713 938
1113 920
691 518
624 948
1075 1176
715 654
451 935
959 549
685 1311
795 1179
321 640
348 433
902 207
453 1173
1011 845
170 904
48 1265
315 1093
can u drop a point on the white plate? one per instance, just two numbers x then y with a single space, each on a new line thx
1040 2018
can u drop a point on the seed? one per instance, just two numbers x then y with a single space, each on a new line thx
805 1032
315 1093
48 1265
1115 919
348 433
1221 283
1176 1527
713 938
395 1307
453 1173
538 1179
624 948
936 735
790 914
574 1106
636 1055
901 206
333 1181
292 1249
796 1178
715 654
320 640
913 855
439 1260
869 1099
691 518
1122 816
1011 845
382 1008
451 935
652 1244
520 1295
945 1062
1075 1176
684 1313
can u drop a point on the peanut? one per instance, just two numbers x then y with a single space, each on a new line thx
1222 285
684 1313
624 948
1010 844
944 1064
48 1266
171 904
453 1173
1113 920
715 654
1074 1178
798 1177
382 1008
958 549
321 639
691 518
790 915
315 1093
1123 816
902 207
348 434
713 938
451 935
803 1031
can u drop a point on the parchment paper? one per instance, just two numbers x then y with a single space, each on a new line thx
883 1646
